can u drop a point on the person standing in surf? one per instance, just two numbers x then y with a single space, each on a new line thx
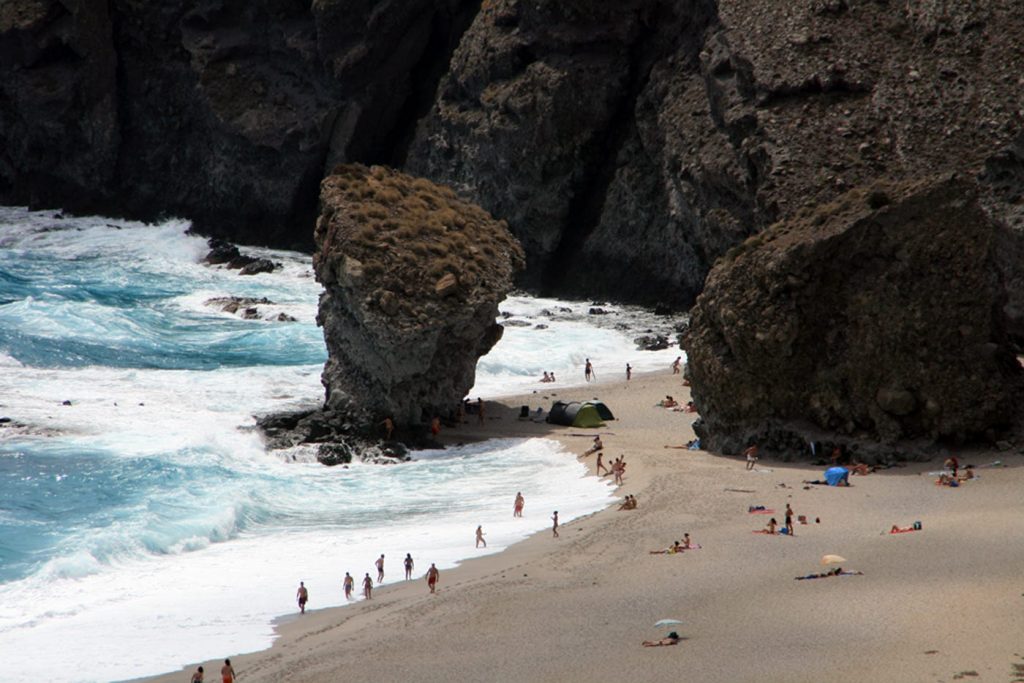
380 568
517 508
367 586
480 536
408 566
302 595
588 371
348 585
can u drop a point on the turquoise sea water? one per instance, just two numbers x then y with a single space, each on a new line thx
143 526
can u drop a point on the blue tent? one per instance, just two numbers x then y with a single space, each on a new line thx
837 475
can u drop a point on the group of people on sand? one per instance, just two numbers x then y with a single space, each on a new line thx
629 503
677 546
548 377
227 673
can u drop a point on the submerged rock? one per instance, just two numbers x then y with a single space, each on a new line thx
412 279
878 317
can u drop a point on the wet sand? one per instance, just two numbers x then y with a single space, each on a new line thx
930 606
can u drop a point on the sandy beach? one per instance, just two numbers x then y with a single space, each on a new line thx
941 604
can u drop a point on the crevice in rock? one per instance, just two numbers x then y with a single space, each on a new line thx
588 201
834 89
392 146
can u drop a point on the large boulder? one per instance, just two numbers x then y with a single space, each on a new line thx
875 318
412 279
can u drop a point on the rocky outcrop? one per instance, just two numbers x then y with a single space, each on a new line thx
412 279
874 318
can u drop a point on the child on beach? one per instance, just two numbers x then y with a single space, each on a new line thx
517 507
480 536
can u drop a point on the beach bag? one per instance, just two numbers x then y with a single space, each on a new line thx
917 526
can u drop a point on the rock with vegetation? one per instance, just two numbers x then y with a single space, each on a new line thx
412 279
876 318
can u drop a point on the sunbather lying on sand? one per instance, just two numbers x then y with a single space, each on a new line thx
670 639
671 550
838 571
901 529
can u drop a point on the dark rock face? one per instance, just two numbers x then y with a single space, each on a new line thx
412 279
878 318
628 145
222 111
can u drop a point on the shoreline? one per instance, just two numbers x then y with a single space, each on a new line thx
576 609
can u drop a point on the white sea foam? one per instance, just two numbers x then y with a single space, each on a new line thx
180 538
157 612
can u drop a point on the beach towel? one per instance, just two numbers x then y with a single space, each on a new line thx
761 511
766 532
903 531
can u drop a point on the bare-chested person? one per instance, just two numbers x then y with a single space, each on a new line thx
596 448
480 536
227 672
380 568
600 464
675 365
554 529
432 576
302 595
517 507
367 586
348 585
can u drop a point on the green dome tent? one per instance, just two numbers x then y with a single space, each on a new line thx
575 414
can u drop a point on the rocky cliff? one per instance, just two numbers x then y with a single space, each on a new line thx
412 279
877 318
628 144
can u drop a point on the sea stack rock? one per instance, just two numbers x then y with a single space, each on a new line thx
412 279
877 318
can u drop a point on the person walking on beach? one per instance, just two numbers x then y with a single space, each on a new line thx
227 672
380 568
588 371
789 520
554 529
600 464
629 372
432 576
348 585
480 536
675 365
197 677
367 586
408 566
751 454
517 507
302 595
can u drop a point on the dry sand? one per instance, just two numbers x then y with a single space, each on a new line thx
945 603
